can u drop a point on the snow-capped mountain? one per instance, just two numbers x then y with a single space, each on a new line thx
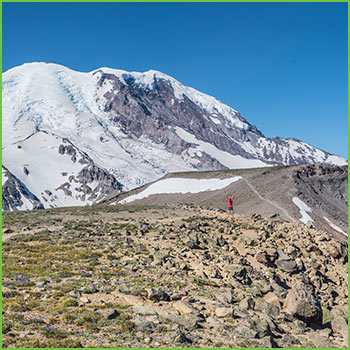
131 127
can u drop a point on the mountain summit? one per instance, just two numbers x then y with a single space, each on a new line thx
73 138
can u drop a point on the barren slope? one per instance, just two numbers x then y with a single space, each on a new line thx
270 191
182 276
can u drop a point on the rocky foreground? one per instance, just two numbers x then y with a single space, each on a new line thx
179 276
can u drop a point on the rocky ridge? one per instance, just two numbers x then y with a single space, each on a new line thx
179 276
269 191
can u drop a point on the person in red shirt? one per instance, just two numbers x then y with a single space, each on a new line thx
230 202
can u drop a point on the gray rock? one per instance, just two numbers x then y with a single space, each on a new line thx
113 315
288 341
90 289
182 338
160 255
158 295
191 322
245 332
272 310
281 255
144 326
262 328
286 265
301 303
320 341
225 296
267 342
213 321
144 310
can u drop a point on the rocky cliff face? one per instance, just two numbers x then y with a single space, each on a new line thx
155 112
136 126
325 189
15 195
156 109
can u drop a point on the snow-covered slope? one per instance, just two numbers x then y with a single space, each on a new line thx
15 195
55 173
135 126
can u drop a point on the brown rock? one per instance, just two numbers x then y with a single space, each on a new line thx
334 251
340 326
133 300
225 296
301 303
144 310
262 257
260 304
183 307
271 298
222 312
247 304
84 299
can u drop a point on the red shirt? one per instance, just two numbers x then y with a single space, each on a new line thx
230 201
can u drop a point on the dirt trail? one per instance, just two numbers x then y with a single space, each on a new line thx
284 211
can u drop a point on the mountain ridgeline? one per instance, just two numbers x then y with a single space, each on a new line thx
79 138
315 194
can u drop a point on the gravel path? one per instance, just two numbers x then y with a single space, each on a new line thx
284 211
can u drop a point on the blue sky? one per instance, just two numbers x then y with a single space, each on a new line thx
282 65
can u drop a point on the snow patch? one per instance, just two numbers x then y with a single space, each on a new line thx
304 209
27 204
336 160
215 120
225 158
335 226
179 185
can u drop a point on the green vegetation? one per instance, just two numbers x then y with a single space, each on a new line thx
110 277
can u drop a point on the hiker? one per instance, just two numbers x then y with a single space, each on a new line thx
230 201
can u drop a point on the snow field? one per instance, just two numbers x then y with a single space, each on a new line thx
179 185
304 209
225 158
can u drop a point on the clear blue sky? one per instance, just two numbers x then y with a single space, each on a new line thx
282 65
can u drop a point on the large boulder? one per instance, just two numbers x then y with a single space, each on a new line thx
303 304
340 327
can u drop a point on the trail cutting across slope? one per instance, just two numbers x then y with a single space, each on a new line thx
284 211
